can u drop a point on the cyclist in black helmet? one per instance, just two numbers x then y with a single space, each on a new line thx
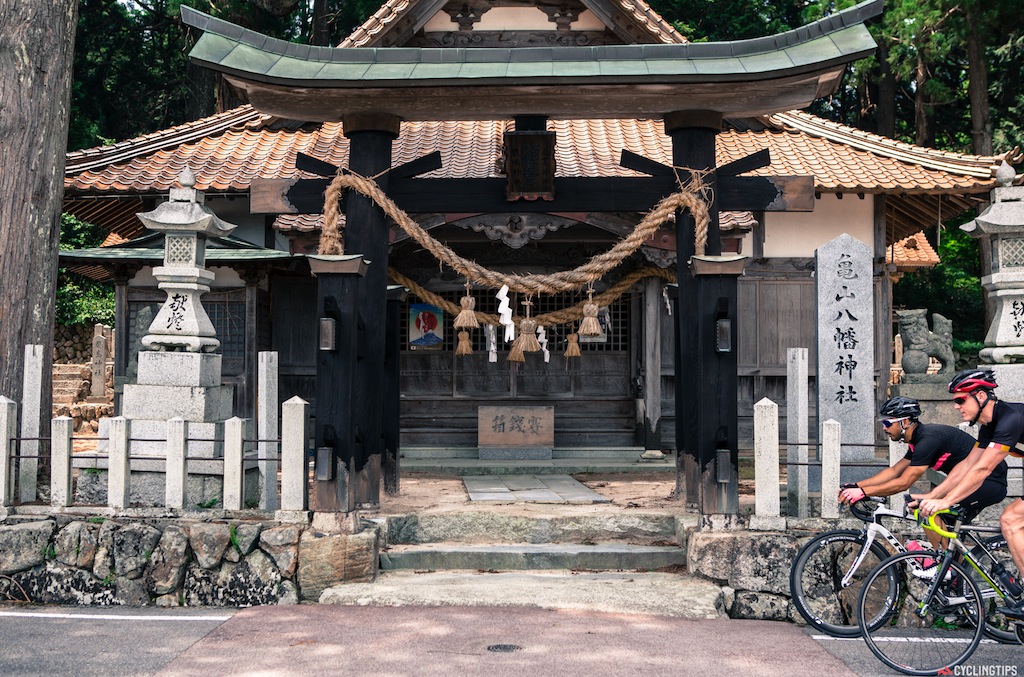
1001 433
929 445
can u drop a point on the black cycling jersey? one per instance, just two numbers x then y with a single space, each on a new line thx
942 447
1006 428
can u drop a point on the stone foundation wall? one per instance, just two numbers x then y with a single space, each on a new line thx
170 563
72 343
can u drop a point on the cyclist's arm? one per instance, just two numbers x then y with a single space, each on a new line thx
955 475
893 480
972 479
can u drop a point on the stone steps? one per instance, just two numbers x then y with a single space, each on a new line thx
505 557
633 593
557 466
615 453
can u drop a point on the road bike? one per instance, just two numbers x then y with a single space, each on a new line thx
934 620
828 572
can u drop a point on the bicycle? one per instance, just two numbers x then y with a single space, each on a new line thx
826 576
828 572
934 623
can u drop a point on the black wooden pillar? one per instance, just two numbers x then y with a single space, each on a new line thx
706 325
338 281
392 390
366 232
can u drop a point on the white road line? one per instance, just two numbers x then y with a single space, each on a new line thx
110 617
921 640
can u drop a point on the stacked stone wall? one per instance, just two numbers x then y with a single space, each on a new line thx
72 343
171 563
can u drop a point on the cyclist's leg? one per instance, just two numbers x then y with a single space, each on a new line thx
1012 524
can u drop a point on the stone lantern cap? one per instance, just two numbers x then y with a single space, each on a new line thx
185 211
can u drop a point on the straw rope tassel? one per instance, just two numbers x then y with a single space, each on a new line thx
466 318
589 326
572 347
465 346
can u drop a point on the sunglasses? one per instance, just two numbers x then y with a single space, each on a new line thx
886 422
960 400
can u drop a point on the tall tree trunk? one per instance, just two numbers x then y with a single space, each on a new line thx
320 35
921 126
37 38
886 115
977 86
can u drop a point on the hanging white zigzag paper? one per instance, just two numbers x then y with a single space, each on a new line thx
505 314
492 342
542 339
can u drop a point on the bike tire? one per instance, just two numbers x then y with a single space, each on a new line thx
997 626
815 580
943 638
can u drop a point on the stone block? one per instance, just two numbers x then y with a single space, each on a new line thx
76 544
147 488
329 560
744 560
760 606
133 546
142 431
23 546
192 403
166 569
179 369
209 542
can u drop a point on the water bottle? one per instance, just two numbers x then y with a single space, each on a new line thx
1006 578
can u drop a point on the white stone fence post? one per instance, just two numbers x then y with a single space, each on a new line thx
294 456
766 468
8 433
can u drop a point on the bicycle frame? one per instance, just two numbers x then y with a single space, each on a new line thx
872 530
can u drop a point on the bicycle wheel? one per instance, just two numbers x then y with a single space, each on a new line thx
919 639
997 626
816 580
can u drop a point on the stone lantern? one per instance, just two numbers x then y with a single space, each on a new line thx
999 230
186 222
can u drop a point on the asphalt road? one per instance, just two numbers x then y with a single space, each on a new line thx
390 641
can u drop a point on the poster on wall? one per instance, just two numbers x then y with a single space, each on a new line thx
426 327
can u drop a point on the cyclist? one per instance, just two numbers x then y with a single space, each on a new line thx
1002 430
929 445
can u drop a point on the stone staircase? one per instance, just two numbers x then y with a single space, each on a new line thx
67 381
449 460
622 562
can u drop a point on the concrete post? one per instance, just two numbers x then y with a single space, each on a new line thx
118 466
766 459
766 515
234 462
31 405
796 432
268 428
830 454
294 458
176 475
897 450
8 431
60 461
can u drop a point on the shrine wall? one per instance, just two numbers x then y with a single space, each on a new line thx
796 234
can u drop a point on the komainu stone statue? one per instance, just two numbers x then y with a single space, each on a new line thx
920 344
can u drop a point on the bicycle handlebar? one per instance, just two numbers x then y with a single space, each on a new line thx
929 522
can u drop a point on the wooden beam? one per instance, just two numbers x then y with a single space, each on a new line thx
572 194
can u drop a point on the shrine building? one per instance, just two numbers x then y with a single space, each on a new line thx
528 138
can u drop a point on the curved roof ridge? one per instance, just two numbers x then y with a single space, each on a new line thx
390 12
653 22
982 166
99 156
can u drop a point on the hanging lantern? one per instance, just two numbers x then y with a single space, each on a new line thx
465 346
466 319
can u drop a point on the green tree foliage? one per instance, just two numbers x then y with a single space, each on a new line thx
952 288
81 300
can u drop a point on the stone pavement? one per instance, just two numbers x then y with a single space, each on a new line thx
433 641
530 488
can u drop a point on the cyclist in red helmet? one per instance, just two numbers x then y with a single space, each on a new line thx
929 445
1001 433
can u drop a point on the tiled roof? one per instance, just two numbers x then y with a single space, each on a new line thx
912 253
241 145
